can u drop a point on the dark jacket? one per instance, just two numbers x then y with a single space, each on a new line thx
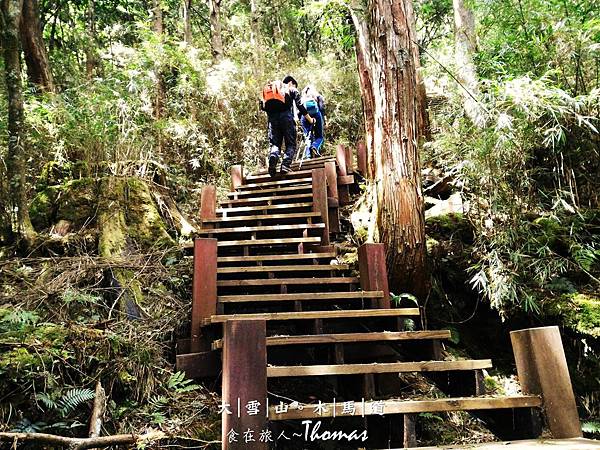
291 97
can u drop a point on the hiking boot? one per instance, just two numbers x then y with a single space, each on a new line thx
285 169
314 152
273 165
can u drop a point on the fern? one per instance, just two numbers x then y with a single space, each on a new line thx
73 398
179 384
46 400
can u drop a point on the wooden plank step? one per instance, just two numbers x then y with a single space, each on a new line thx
295 215
410 406
300 297
263 258
244 229
298 188
311 339
307 315
397 367
284 182
266 177
281 241
271 198
307 163
288 281
226 211
291 268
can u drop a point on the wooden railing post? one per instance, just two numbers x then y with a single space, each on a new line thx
373 272
542 370
340 156
343 191
333 201
237 176
361 159
319 192
349 160
244 384
204 289
208 202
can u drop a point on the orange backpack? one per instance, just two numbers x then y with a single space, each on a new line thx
273 96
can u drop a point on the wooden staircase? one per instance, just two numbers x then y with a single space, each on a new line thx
329 336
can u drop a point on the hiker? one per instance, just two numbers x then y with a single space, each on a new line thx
278 98
313 132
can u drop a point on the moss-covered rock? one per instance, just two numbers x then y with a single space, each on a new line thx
42 210
579 312
77 202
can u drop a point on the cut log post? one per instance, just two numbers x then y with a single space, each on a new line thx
333 201
204 289
542 370
208 203
244 384
237 176
373 272
319 192
361 156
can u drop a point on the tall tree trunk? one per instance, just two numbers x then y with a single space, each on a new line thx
389 90
90 48
255 41
214 8
17 153
423 114
34 48
465 48
161 89
186 9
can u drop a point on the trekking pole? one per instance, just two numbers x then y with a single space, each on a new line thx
307 142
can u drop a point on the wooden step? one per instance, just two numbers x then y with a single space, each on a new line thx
283 182
259 178
313 296
307 163
279 190
267 258
307 315
282 241
262 217
291 268
397 367
234 210
312 339
288 281
409 406
272 198
243 229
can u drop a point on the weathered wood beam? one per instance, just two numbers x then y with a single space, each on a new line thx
542 369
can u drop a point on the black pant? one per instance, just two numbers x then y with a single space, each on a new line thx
282 127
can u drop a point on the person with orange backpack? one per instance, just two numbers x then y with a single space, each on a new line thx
278 99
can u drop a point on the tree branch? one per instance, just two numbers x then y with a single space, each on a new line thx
82 443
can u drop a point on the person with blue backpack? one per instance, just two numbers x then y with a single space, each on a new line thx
314 103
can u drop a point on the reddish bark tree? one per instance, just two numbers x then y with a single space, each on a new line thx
389 88
34 48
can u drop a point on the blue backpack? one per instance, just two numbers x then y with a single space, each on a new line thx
311 106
